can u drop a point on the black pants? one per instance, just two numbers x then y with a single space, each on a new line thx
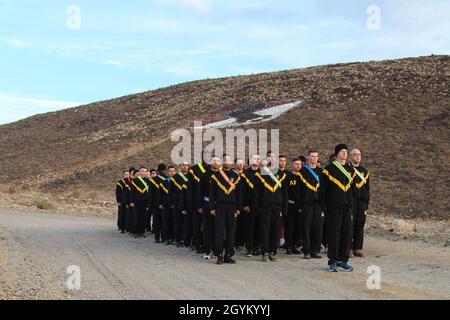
148 219
140 212
188 227
129 219
121 218
167 224
197 222
270 228
240 229
208 229
251 220
224 229
359 221
339 230
177 222
157 223
312 225
292 227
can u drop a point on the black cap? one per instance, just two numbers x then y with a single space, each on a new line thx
340 147
162 167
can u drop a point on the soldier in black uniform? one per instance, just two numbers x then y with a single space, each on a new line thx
129 212
158 214
361 197
336 198
187 206
120 190
140 200
179 185
207 218
311 212
239 166
201 198
292 217
282 163
225 200
166 188
270 198
251 214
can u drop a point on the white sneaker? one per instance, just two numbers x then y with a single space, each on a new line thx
208 256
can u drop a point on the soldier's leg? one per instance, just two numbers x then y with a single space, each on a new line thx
345 235
289 228
188 228
230 226
275 226
316 231
334 222
264 229
307 220
250 221
359 223
219 229
157 224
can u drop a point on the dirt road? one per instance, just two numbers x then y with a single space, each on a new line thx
36 250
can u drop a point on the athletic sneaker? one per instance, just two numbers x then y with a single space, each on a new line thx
333 267
272 258
344 266
264 257
249 254
208 256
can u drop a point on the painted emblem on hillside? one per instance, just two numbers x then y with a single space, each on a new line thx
231 116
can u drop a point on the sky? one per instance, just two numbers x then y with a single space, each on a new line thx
59 54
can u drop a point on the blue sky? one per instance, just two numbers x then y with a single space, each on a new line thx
47 63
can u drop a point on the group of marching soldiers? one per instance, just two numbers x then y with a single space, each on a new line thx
214 209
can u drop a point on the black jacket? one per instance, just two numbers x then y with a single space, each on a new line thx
166 191
361 189
221 192
293 184
197 171
268 193
335 189
248 188
179 186
120 189
188 201
140 191
203 188
126 194
309 186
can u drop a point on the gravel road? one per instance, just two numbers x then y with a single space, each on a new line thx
36 250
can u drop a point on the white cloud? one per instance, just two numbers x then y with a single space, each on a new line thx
199 6
13 107
115 63
16 42
181 69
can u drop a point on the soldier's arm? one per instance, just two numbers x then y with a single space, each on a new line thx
119 191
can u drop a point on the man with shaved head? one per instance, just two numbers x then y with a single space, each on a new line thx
225 202
361 198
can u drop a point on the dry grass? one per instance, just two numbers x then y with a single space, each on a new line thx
43 204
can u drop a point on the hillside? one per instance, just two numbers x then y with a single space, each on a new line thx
397 112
